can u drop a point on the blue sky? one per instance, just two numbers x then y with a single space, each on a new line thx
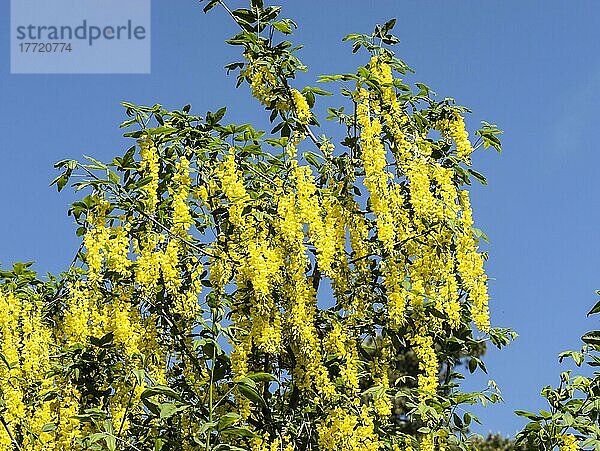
531 67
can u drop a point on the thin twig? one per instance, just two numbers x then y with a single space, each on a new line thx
226 8
9 432
261 175
128 405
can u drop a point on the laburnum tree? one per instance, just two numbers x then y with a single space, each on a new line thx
243 290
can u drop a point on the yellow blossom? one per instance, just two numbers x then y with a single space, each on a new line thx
303 112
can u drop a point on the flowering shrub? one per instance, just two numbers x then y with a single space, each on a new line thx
242 290
572 421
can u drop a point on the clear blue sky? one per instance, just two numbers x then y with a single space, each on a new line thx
531 67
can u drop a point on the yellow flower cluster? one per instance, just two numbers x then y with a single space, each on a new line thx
346 431
376 177
150 167
262 269
470 265
568 442
395 118
325 222
262 82
383 402
181 217
455 129
358 232
303 113
25 379
427 244
393 278
95 241
263 444
233 187
426 206
260 261
148 263
428 363
339 343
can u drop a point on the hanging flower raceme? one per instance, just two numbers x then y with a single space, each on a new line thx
454 128
470 266
263 83
96 241
149 166
301 107
396 120
428 363
181 217
348 431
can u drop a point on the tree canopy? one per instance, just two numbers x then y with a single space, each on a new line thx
311 287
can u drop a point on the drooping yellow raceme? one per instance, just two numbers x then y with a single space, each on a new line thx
95 241
262 269
118 249
301 107
348 431
359 306
391 111
181 217
393 280
428 381
149 166
263 83
382 403
339 343
374 160
455 128
148 263
326 228
470 266
233 188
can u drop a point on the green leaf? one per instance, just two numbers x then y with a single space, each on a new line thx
529 415
140 376
60 181
105 342
227 420
283 26
479 234
262 377
595 309
239 432
168 409
317 91
251 394
49 427
388 26
161 390
489 134
592 338
480 177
